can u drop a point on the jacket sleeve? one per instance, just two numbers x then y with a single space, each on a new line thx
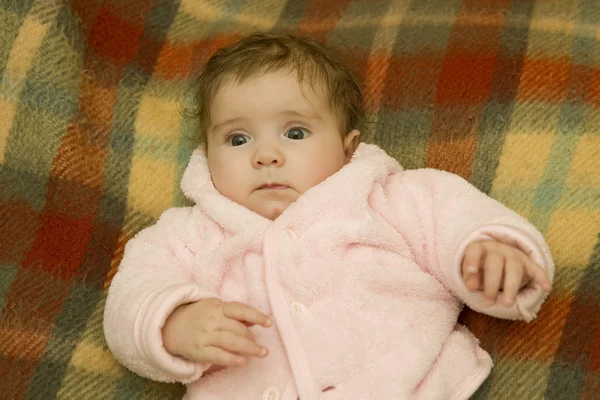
155 277
440 213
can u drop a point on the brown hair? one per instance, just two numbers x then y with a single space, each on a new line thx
267 52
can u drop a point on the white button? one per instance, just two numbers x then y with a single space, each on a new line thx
271 393
298 307
292 234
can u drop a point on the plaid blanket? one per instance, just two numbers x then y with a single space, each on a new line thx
93 144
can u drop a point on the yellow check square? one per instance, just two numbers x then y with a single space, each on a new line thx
572 235
159 118
523 160
585 167
151 186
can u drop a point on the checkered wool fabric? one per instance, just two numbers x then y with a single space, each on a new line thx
93 145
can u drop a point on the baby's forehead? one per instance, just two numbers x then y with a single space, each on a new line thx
312 83
286 83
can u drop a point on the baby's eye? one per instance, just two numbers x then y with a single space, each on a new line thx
296 134
238 140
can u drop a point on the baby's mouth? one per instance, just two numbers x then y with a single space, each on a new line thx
272 186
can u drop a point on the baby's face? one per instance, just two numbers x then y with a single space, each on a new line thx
268 142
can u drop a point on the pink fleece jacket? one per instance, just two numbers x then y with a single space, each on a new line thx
361 276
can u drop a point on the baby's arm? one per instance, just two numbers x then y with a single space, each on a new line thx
441 214
154 278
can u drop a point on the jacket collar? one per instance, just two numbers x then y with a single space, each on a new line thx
337 197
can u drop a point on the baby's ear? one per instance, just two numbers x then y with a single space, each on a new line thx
351 143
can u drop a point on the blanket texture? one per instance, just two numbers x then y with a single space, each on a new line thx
93 142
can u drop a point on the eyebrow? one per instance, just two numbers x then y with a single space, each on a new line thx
293 113
227 122
289 113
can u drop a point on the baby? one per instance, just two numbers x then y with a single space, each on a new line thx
312 266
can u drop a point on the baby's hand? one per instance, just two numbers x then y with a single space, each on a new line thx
492 266
211 331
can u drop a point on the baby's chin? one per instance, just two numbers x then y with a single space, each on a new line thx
271 211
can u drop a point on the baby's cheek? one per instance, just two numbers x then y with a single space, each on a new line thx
321 171
231 189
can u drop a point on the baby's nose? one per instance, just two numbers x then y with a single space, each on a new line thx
268 157
268 161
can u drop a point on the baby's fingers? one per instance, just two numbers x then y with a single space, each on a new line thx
245 313
513 275
471 264
234 343
538 274
237 327
493 272
216 356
